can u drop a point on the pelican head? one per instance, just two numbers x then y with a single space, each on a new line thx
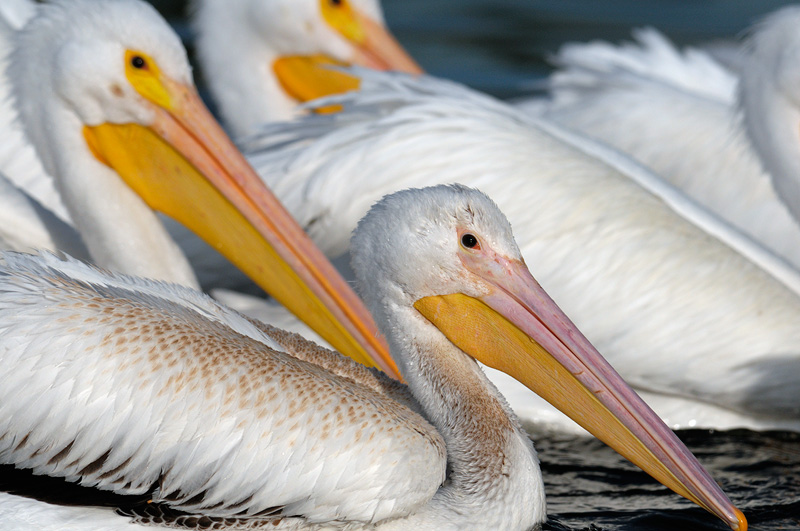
262 57
442 229
440 264
106 95
770 100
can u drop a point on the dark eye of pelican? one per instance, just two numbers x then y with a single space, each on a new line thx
336 3
469 241
137 61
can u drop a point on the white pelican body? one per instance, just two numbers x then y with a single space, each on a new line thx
157 392
708 335
678 113
261 58
104 91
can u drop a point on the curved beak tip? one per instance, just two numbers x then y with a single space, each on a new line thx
741 520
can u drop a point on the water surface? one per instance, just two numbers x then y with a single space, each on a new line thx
589 486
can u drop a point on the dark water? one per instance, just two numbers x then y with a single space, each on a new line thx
499 46
589 486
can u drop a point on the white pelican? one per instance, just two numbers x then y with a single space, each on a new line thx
261 57
707 336
150 389
678 113
104 91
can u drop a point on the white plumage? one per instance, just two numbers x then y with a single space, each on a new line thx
18 160
17 12
126 384
706 335
678 112
25 225
151 389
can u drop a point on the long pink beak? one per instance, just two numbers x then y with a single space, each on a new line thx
518 329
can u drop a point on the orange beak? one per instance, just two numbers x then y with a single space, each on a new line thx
308 77
381 51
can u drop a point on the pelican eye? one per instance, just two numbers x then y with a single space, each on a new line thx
137 61
469 241
335 3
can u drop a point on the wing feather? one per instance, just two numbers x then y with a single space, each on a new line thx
137 386
676 112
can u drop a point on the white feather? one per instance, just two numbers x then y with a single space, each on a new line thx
25 225
18 160
676 111
122 384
